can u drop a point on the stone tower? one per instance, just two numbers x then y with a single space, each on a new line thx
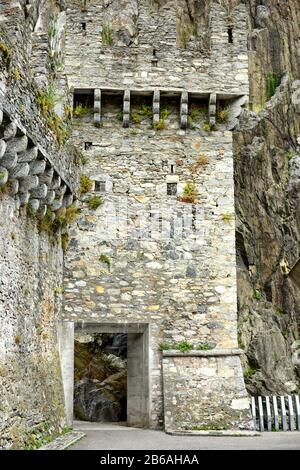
157 259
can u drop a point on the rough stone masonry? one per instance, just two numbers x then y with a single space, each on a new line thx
160 251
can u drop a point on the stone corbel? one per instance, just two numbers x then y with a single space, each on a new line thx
30 176
156 107
212 110
126 108
184 103
97 107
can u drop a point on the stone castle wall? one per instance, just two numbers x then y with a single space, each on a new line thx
32 402
181 285
116 65
37 177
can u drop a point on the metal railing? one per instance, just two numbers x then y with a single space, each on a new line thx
276 413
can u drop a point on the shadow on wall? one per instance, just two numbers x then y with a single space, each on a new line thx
100 377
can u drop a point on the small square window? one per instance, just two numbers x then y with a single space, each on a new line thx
172 189
100 186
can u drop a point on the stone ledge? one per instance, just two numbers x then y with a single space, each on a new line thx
229 433
204 353
63 442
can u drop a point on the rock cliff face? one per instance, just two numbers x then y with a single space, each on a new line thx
267 182
100 378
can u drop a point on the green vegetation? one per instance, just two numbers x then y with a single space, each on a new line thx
164 347
204 347
16 74
46 100
30 212
86 184
164 114
94 202
144 112
201 162
257 294
106 35
52 31
82 110
6 53
184 346
222 115
65 239
240 341
60 289
42 435
210 427
272 84
119 116
207 127
79 157
190 193
227 217
65 216
105 259
249 373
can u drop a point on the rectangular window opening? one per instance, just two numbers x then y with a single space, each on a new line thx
172 189
100 186
230 35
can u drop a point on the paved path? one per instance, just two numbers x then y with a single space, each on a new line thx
115 437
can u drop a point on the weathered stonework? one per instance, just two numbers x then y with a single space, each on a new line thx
152 77
37 176
181 285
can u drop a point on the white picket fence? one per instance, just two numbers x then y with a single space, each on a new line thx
276 413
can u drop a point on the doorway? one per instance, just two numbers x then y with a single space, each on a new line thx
112 382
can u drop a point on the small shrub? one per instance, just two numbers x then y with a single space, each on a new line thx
46 100
106 35
65 217
46 222
249 373
222 115
201 161
272 84
68 111
119 116
60 289
257 294
16 74
86 184
65 239
207 127
164 114
183 346
79 157
194 114
204 347
30 212
227 217
160 125
94 202
5 52
190 193
105 259
164 347
82 110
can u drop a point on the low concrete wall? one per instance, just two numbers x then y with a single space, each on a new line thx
204 390
66 349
